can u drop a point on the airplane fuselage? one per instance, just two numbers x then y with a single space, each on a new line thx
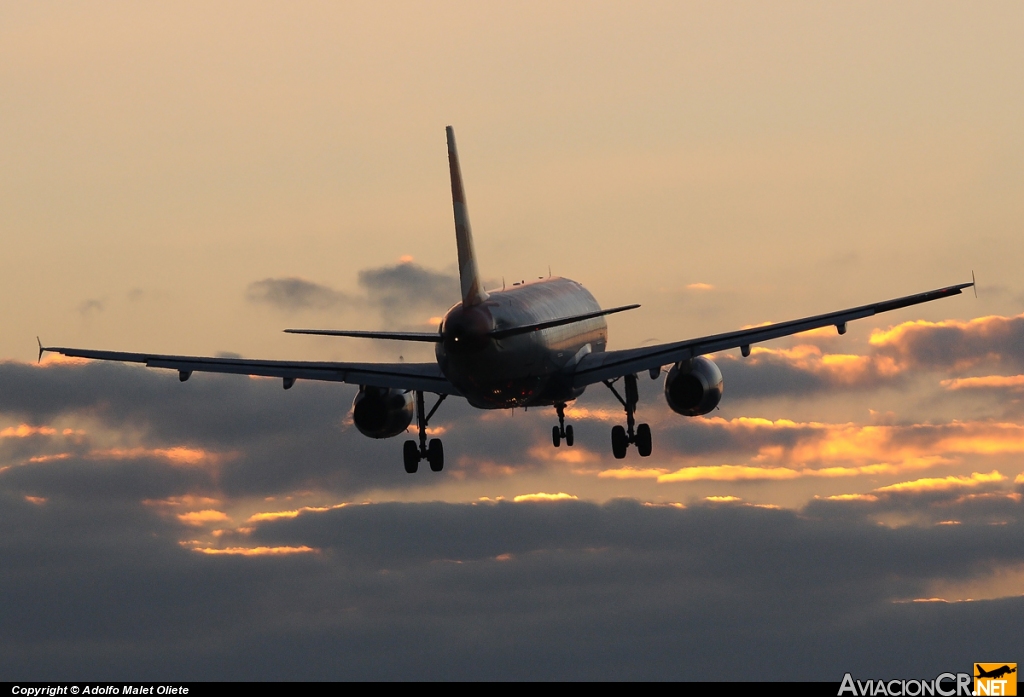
532 369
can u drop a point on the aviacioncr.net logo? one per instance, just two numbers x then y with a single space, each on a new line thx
945 685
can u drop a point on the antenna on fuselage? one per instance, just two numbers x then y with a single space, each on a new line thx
473 292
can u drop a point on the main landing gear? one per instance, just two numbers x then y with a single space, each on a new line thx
622 437
561 431
434 453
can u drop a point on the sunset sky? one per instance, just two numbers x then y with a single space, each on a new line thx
195 177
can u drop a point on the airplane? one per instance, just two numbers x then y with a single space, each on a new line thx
537 343
995 673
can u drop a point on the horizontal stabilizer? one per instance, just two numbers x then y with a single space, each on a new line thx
527 328
432 337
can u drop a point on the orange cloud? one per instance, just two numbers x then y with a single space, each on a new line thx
277 515
700 286
838 450
952 344
989 325
836 368
37 500
24 431
256 551
573 456
728 473
201 518
178 455
722 499
51 359
632 473
50 458
852 497
944 483
1015 382
560 496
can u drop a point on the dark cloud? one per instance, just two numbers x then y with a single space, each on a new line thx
768 376
249 426
292 294
100 573
400 289
92 305
571 590
399 293
955 345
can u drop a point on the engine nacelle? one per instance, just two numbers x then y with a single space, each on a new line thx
694 387
380 412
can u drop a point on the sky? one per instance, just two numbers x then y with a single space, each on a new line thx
193 178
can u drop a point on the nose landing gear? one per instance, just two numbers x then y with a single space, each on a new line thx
561 431
432 453
638 435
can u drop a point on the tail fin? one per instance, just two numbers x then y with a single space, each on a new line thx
473 292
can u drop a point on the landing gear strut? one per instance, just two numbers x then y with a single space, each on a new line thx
561 430
432 453
639 435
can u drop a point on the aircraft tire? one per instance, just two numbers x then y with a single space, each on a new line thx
556 437
568 436
411 455
435 455
619 442
643 440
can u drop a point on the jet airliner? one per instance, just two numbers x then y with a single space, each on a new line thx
540 343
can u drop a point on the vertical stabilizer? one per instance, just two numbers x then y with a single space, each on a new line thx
473 292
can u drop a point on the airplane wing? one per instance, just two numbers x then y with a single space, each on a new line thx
426 377
595 367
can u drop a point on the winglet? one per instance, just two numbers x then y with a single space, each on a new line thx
473 292
974 284
41 350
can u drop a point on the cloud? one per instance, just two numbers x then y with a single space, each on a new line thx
91 306
200 518
945 483
953 344
400 293
121 571
560 496
893 356
1014 383
293 293
407 287
255 551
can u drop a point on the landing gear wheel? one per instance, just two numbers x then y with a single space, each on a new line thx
643 440
411 455
435 455
556 437
619 442
568 436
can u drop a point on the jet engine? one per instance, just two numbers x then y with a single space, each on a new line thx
693 387
381 412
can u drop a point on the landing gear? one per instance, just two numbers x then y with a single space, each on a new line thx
561 431
639 435
413 452
435 455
